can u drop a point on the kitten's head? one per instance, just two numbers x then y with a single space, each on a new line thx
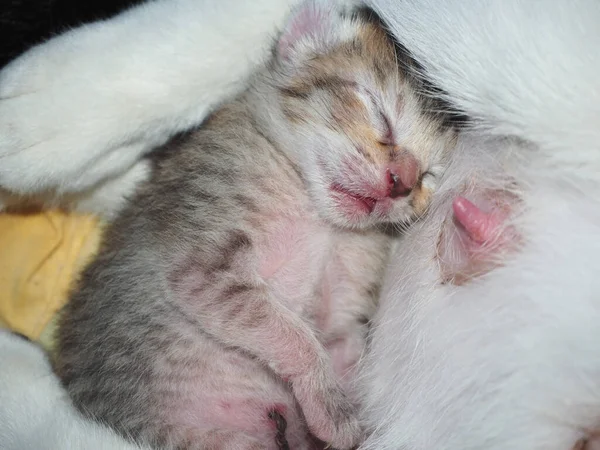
368 148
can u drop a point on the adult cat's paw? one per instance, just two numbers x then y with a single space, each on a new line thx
62 127
328 412
84 106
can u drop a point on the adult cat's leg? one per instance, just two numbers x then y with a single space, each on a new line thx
84 106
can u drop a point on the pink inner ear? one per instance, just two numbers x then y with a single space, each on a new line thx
311 20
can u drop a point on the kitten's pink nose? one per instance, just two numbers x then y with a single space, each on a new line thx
403 176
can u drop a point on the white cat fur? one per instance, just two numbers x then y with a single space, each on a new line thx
510 361
81 109
35 411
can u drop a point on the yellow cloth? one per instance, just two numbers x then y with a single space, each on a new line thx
40 256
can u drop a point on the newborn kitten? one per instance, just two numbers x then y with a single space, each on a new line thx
253 257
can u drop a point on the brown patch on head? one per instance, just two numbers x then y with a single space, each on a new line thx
369 52
378 50
331 76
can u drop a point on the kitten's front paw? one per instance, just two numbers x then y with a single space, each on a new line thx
328 412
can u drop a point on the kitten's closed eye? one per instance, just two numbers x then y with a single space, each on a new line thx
387 137
381 121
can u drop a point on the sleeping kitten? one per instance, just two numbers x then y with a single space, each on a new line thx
252 258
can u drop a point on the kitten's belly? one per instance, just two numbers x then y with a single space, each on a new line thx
206 387
298 260
292 257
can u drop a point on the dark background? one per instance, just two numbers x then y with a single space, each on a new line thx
24 23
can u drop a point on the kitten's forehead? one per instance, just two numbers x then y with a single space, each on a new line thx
367 50
349 76
365 57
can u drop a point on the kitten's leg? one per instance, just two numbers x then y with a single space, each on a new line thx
352 280
249 319
240 312
84 106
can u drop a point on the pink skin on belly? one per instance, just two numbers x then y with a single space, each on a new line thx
234 395
250 419
481 227
471 243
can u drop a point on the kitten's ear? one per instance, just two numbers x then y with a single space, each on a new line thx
311 27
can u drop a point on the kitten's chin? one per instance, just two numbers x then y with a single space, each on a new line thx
346 209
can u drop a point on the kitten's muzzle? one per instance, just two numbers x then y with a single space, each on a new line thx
402 176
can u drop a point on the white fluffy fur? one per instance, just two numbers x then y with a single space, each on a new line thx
508 362
512 360
82 108
35 413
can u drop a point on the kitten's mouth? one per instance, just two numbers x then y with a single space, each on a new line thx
352 202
